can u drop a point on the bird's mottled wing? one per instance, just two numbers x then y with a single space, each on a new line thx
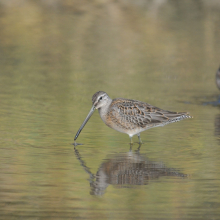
130 114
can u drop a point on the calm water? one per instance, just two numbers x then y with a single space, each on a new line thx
54 55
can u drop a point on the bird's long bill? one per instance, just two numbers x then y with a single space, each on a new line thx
85 121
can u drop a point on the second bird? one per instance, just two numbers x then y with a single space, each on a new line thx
130 116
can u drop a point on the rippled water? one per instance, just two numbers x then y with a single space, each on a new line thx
54 56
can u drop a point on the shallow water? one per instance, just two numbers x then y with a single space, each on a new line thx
55 56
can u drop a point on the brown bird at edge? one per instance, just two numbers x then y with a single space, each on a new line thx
218 78
130 116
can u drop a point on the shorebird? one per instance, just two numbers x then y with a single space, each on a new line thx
130 116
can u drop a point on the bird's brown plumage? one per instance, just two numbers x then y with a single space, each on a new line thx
128 114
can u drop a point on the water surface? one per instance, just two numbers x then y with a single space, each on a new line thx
54 56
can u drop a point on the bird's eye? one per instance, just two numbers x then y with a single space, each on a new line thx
100 98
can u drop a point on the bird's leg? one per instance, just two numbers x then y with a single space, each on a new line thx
139 137
139 148
131 143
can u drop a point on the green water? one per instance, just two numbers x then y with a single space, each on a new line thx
54 56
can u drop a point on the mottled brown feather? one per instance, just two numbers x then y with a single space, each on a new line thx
132 114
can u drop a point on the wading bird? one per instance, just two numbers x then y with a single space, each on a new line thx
130 116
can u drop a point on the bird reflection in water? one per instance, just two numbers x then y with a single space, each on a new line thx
126 170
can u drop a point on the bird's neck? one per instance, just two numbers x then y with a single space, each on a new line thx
104 109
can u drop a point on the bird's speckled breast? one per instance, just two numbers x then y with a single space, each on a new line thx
113 118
